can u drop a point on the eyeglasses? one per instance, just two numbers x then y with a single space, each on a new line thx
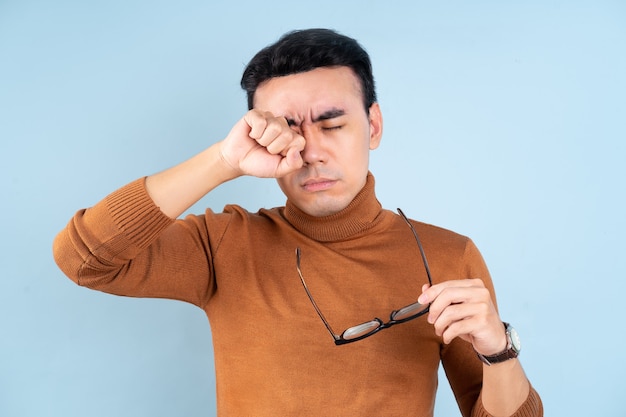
363 330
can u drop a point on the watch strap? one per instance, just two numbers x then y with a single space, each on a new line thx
509 353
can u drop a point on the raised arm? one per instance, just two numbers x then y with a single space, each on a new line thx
99 243
259 145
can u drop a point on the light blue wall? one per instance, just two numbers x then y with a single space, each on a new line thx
503 121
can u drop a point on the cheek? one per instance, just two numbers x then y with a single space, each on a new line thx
357 151
287 184
281 184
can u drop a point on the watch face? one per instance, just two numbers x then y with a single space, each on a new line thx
516 344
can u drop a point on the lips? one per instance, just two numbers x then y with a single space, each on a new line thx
318 184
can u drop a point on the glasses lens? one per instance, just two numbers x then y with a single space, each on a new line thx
408 311
361 330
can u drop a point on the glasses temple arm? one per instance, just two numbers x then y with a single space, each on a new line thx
308 293
419 244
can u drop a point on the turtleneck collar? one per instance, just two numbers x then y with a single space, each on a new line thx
361 214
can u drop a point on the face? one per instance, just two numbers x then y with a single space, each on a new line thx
325 106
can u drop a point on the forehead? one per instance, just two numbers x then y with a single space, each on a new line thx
310 93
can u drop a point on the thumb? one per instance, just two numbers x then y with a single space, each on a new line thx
291 162
423 299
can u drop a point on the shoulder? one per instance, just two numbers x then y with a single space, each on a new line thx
446 247
440 237
237 217
240 214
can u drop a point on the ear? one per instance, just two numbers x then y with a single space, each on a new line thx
376 126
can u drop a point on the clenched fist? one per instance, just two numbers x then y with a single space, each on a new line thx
262 145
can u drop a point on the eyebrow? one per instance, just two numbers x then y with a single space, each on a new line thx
329 114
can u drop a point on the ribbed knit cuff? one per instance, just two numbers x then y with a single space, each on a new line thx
532 407
135 213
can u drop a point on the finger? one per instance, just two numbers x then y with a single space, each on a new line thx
283 141
459 313
274 130
468 313
268 129
291 162
432 292
463 329
257 122
474 295
484 336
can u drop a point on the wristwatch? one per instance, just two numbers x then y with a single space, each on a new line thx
513 347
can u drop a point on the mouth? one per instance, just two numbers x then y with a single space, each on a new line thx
318 184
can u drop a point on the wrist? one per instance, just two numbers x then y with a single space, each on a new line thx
512 348
227 169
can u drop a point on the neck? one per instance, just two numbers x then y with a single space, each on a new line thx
360 215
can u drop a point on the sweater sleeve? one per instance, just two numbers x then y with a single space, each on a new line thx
532 407
125 245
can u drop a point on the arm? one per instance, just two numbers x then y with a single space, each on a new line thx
259 144
99 243
465 309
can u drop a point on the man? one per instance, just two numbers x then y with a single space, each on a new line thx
275 283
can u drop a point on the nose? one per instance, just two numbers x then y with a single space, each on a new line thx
315 151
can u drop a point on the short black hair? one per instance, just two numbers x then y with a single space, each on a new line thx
304 50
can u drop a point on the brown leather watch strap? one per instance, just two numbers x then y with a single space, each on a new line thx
511 351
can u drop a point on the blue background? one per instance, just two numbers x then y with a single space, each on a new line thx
504 121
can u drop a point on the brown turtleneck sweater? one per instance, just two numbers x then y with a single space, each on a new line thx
273 355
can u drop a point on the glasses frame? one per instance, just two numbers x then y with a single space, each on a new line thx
340 339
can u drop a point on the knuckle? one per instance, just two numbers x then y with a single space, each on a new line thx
273 127
484 311
477 282
257 127
485 295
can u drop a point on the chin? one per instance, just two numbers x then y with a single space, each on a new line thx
324 207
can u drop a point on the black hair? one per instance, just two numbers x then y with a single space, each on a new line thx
304 50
